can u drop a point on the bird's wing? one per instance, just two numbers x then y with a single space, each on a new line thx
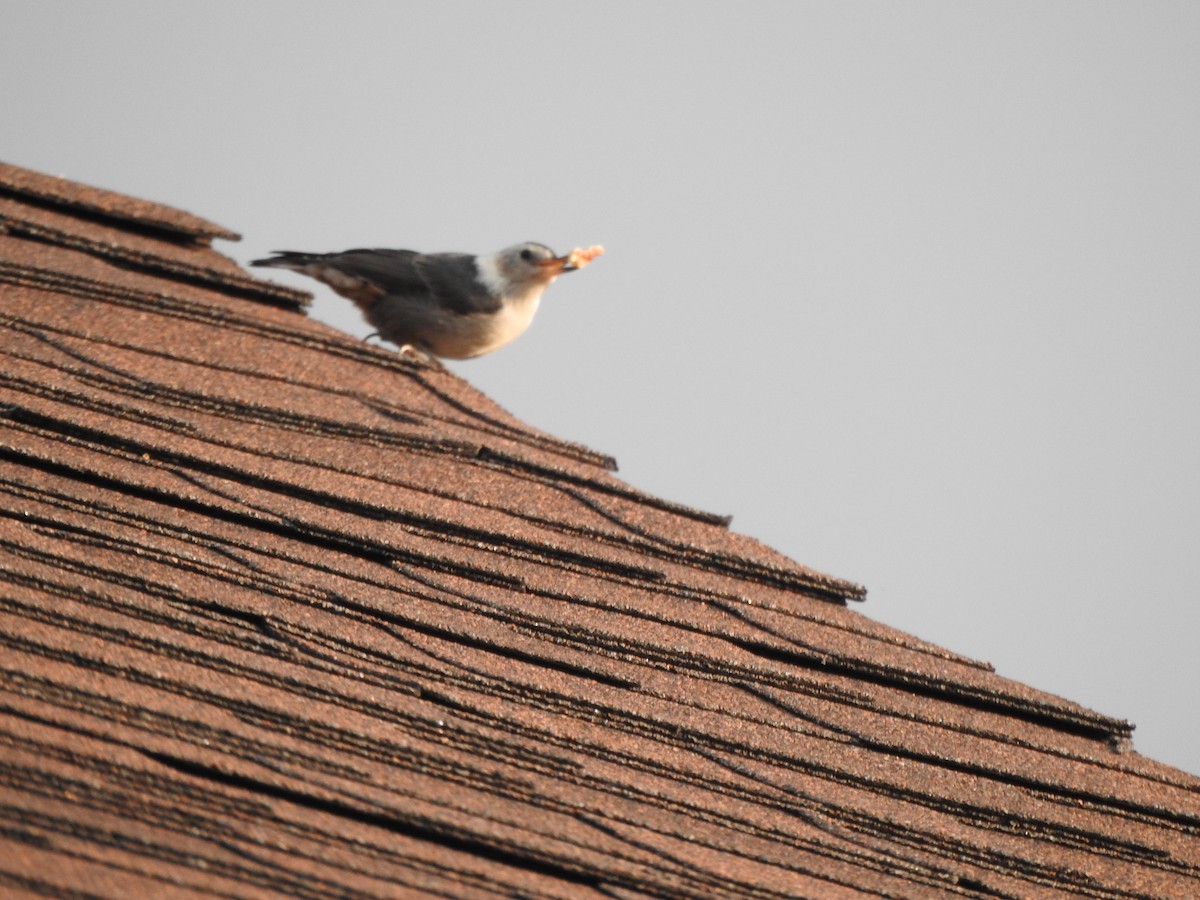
453 279
366 275
391 271
362 275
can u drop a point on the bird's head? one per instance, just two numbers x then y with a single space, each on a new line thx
530 263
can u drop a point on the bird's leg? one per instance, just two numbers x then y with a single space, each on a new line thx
419 354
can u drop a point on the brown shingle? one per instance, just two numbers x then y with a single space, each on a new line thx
285 612
35 190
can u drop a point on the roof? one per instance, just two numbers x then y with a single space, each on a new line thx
282 611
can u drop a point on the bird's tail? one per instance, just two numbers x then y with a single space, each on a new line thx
326 269
287 259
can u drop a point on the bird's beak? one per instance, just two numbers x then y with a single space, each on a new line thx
558 265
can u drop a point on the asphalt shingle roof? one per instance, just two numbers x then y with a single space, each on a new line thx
282 611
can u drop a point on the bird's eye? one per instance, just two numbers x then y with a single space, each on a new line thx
527 255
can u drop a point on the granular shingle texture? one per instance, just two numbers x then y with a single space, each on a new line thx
284 612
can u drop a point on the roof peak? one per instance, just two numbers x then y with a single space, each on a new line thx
108 206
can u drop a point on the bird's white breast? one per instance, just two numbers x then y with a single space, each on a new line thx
480 333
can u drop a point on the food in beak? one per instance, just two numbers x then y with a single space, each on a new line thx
578 258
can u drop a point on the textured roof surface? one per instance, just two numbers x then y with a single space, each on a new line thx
284 612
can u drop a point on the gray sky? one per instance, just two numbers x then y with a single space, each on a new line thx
911 289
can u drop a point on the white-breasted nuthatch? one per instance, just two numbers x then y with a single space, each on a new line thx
452 305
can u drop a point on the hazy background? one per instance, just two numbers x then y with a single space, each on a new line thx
911 289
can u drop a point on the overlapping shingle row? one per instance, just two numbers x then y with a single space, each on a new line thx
281 611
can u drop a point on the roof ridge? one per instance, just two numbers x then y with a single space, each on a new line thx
37 188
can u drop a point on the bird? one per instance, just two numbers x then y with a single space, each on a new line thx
447 305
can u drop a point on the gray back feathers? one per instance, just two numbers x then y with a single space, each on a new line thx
448 278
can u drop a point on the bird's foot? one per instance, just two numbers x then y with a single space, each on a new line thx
416 353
